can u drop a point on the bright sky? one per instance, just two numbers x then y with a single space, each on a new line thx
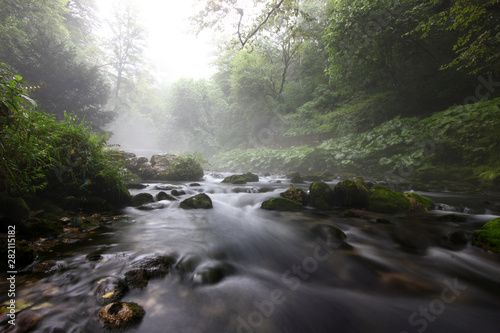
173 51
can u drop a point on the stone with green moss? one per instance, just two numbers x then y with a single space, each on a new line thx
241 179
199 201
419 202
296 194
351 193
382 199
320 195
118 315
282 204
488 237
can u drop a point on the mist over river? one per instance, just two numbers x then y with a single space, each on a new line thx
280 271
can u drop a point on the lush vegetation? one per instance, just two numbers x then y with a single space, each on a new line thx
399 88
49 158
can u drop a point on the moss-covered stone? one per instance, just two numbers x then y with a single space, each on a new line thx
282 204
419 202
296 194
320 195
120 315
199 201
142 199
351 193
383 200
488 237
241 179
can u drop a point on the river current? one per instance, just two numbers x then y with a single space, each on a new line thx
283 271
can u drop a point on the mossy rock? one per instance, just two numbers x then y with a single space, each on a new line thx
118 315
142 199
241 179
351 193
199 201
488 237
14 209
282 204
383 200
296 194
320 195
419 202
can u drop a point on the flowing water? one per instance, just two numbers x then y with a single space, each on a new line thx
281 273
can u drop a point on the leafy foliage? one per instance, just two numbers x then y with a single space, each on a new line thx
41 155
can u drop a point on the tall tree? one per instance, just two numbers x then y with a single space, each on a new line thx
126 45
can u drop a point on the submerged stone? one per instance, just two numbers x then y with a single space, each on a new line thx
282 204
488 237
199 201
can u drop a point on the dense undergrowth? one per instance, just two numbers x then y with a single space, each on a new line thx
461 139
44 157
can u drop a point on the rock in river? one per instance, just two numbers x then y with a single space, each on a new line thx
199 201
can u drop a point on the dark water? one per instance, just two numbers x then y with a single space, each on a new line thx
283 277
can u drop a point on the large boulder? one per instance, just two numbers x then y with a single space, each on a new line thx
321 195
199 201
241 179
488 237
383 200
282 204
351 193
